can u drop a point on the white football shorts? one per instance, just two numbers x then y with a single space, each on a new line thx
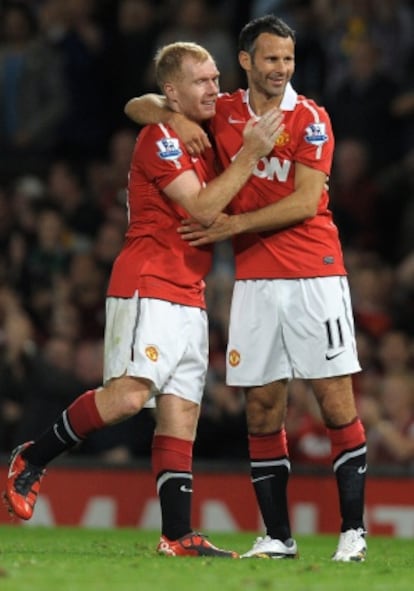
163 342
290 328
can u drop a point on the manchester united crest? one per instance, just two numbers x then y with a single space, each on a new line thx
152 353
282 140
234 358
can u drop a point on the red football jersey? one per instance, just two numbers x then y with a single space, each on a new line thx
308 249
155 260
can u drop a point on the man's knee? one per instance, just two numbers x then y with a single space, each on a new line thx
266 408
122 398
177 417
336 400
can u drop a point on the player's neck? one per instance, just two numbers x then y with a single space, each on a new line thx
260 104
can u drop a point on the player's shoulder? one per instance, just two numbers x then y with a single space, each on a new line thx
308 106
229 100
230 108
157 134
160 141
155 131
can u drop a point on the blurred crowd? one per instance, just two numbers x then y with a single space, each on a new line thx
67 67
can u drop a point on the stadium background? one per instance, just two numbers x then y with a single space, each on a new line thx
65 146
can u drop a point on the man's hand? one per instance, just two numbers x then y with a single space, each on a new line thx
191 134
259 137
222 228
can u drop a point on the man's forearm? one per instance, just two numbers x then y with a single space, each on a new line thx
148 109
276 216
217 194
293 209
153 109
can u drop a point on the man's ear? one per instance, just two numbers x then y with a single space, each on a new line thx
245 60
170 93
169 90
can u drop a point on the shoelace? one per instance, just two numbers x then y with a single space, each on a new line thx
27 478
348 539
260 541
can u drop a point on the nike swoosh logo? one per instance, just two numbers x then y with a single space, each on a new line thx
232 120
333 355
362 469
184 488
263 478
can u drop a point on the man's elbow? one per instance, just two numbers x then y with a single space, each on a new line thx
310 207
204 217
130 110
307 211
205 220
311 210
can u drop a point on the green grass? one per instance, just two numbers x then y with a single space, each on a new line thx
70 559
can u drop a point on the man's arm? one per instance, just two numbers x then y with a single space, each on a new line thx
293 209
148 109
152 109
205 203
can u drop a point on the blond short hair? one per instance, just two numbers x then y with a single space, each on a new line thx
168 60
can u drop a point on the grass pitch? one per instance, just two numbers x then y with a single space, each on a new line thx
71 559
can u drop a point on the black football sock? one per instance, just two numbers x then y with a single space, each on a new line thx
172 468
349 460
53 442
350 478
270 468
175 494
270 484
74 424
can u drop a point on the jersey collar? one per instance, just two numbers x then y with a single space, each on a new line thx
289 98
288 101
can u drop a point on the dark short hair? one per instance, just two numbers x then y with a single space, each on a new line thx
263 24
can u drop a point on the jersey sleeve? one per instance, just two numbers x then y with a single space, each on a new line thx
161 155
315 139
